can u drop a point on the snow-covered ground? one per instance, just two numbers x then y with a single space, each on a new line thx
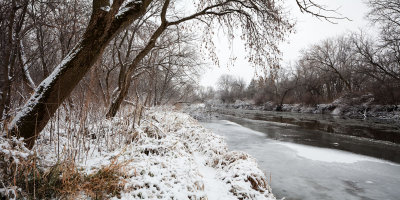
169 156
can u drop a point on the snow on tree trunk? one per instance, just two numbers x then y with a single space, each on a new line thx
103 26
25 68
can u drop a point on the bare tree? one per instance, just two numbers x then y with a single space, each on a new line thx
386 14
12 16
334 56
106 21
377 63
231 88
225 83
288 81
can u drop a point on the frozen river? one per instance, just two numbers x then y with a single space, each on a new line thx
299 169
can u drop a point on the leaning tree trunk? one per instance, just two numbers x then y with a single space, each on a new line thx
123 90
103 26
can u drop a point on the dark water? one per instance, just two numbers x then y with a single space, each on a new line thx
366 137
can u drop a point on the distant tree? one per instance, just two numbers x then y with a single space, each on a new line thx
386 14
380 59
224 84
207 93
287 83
333 56
378 65
238 88
231 88
251 89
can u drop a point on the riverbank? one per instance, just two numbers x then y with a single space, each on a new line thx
169 155
361 107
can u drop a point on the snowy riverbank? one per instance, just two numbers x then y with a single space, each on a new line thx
360 107
169 156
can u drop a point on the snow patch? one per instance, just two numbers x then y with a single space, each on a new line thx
227 122
336 111
126 6
329 155
214 187
106 8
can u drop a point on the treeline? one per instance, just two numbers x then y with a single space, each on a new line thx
351 65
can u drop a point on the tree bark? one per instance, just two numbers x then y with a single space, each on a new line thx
103 26
6 42
115 104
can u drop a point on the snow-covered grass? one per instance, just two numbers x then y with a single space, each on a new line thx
168 156
13 157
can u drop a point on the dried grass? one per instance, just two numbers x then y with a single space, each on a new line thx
66 181
106 181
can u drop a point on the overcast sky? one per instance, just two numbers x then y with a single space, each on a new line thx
309 30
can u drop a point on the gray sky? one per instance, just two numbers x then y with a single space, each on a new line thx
309 30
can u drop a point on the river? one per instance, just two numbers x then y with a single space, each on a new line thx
316 162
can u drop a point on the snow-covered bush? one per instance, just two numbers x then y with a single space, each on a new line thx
175 165
15 161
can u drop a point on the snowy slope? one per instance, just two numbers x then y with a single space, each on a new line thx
169 156
177 158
